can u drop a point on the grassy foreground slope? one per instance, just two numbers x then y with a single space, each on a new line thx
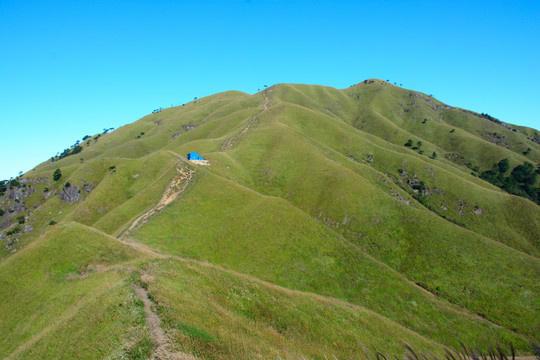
67 295
222 315
76 302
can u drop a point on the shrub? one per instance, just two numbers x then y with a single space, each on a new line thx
67 184
14 183
520 182
20 219
1 212
524 173
13 231
503 165
434 155
3 187
52 222
57 175
77 149
409 143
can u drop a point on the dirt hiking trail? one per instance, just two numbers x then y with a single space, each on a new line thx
177 186
253 121
159 338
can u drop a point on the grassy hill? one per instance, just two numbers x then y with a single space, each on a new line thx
367 204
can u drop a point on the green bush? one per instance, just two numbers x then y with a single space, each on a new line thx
520 182
57 175
503 165
13 231
3 187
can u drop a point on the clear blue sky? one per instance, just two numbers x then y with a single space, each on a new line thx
71 68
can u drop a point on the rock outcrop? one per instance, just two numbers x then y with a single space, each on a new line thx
69 194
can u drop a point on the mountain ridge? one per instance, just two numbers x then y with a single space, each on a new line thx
370 195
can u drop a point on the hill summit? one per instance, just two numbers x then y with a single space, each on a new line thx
312 222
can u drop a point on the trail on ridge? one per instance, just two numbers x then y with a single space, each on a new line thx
177 186
159 338
162 344
229 144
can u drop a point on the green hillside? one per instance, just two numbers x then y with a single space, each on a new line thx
399 217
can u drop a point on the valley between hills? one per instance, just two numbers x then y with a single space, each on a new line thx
328 221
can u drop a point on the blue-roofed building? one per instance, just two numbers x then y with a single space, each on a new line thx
194 156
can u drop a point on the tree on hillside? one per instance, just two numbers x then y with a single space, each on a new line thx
524 173
57 175
503 165
3 187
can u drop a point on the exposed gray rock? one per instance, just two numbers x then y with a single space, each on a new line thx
429 171
28 228
177 135
4 224
188 127
88 187
461 206
14 209
439 191
69 194
398 197
418 186
18 193
478 211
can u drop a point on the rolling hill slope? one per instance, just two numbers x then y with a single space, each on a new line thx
367 203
